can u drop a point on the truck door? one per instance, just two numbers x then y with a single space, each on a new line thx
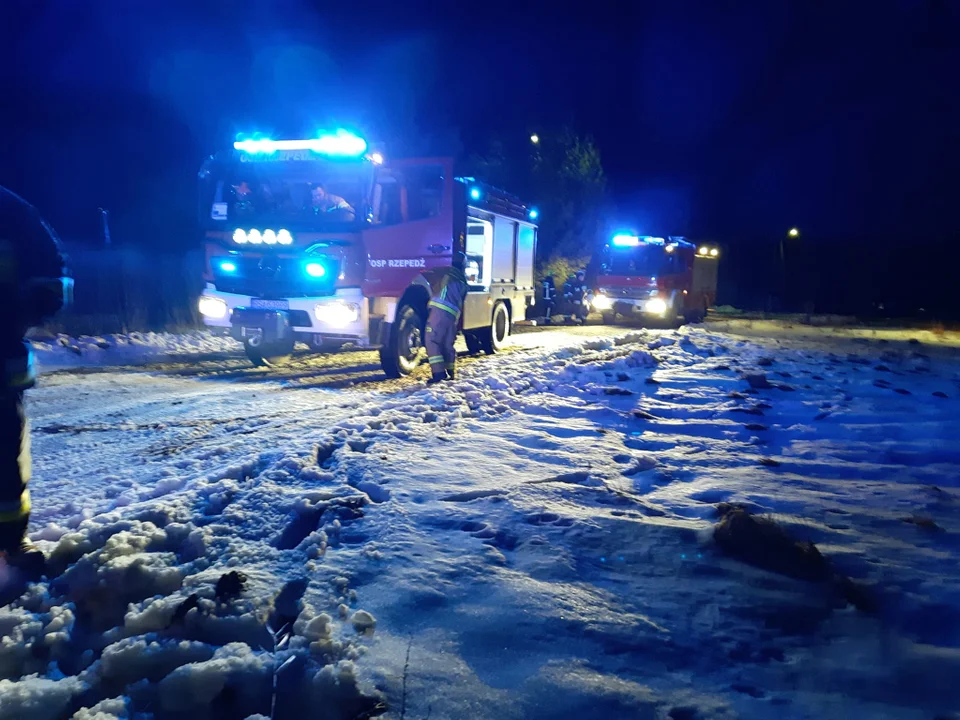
504 250
412 228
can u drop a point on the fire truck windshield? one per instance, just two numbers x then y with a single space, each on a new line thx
290 194
641 260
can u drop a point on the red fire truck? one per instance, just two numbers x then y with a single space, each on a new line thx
323 242
656 279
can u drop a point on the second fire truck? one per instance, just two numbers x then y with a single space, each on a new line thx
666 279
321 241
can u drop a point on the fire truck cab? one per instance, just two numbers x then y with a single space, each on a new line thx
323 242
656 279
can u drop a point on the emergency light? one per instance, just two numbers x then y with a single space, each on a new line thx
315 270
625 240
533 214
341 143
475 193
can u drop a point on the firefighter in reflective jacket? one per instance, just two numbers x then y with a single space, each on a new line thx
448 288
33 286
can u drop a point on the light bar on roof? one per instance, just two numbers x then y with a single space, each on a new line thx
342 143
625 240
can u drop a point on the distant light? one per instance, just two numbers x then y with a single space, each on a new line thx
315 270
714 252
376 159
703 251
602 302
533 214
657 306
254 237
228 266
794 232
625 240
284 237
670 248
212 307
475 193
342 143
535 139
239 236
269 237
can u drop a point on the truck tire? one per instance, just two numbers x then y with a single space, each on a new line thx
269 354
494 338
401 354
695 316
473 342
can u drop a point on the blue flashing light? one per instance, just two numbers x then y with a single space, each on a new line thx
228 267
533 214
625 240
341 143
315 270
475 193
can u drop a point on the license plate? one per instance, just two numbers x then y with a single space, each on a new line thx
261 304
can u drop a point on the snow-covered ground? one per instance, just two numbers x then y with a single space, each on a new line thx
531 541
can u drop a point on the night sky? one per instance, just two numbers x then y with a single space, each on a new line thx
731 120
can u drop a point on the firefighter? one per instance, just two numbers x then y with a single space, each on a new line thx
324 201
574 295
34 285
448 288
549 298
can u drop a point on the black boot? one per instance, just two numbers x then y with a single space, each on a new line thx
19 552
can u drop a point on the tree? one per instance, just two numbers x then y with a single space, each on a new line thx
571 187
562 174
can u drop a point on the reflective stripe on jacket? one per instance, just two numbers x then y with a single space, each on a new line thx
448 288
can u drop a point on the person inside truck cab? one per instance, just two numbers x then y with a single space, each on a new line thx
242 197
323 201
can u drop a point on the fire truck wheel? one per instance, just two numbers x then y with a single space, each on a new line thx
473 343
494 338
273 354
401 354
695 316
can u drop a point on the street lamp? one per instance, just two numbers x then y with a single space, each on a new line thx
793 232
535 139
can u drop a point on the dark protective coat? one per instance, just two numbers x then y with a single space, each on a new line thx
34 285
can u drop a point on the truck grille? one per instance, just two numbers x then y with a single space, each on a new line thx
271 277
633 293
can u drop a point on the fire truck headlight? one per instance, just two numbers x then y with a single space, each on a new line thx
284 237
703 251
254 237
239 236
714 252
337 314
212 307
657 306
602 302
269 237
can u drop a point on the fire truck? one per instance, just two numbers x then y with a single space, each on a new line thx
322 241
653 279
